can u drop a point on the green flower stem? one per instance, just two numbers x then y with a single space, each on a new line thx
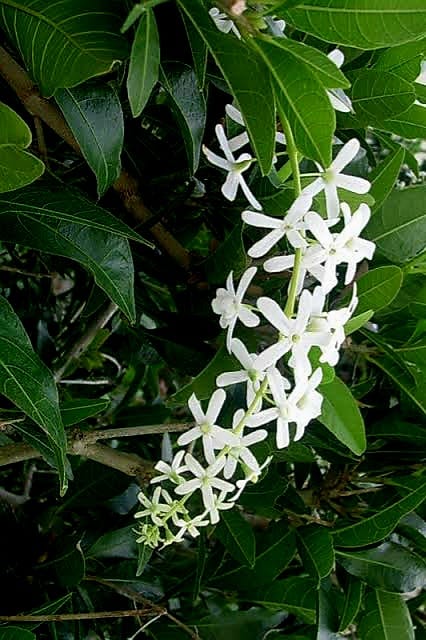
259 394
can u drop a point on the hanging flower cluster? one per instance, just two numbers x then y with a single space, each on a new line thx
282 384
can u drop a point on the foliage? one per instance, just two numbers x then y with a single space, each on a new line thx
114 238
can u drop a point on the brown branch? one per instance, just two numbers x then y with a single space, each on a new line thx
126 185
130 432
64 617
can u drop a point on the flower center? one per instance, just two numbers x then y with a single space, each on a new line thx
205 428
329 176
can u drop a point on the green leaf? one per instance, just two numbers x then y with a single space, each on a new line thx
29 384
296 595
64 43
315 546
17 167
120 543
358 321
378 287
144 557
50 608
199 50
188 106
413 527
70 566
378 95
238 625
404 60
327 618
63 223
354 593
381 524
16 633
341 416
384 176
389 567
203 384
302 98
386 617
230 256
363 24
79 409
399 228
410 124
237 537
248 83
144 62
93 113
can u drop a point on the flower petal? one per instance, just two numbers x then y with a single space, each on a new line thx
280 263
337 57
314 188
248 318
283 433
231 377
248 194
346 154
195 408
189 436
353 183
244 283
215 159
274 314
230 186
215 405
319 229
239 141
272 354
240 352
261 220
265 244
332 199
195 468
188 487
235 115
224 145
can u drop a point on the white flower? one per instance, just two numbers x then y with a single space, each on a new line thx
211 434
332 178
154 508
253 372
228 303
191 526
240 451
338 98
220 504
206 481
291 226
234 167
222 22
335 248
242 139
299 407
171 471
250 477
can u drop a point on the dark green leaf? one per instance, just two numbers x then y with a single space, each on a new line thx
296 595
398 429
386 617
354 593
237 537
378 287
120 543
327 619
93 484
199 50
248 83
302 98
413 527
64 43
378 95
63 223
381 524
75 411
144 62
70 567
188 106
93 112
389 567
357 23
340 414
404 60
16 633
17 167
144 556
29 384
399 228
230 256
50 608
315 546
384 176
238 625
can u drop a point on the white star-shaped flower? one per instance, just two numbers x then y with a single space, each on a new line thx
332 179
223 22
242 139
154 508
338 98
241 451
292 227
171 471
191 526
212 436
205 480
234 167
228 303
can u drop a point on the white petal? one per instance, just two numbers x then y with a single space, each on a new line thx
261 220
263 417
314 188
345 155
195 468
280 263
332 199
265 244
340 101
230 186
249 195
240 352
220 134
353 183
218 483
276 386
248 318
283 435
230 467
235 115
299 208
256 436
187 487
208 449
245 281
229 333
239 141
195 408
337 57
274 314
208 498
272 354
319 229
215 159
215 405
224 436
248 458
189 436
231 377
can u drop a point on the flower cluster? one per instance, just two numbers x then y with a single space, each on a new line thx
282 381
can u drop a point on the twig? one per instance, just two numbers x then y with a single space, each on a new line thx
129 432
26 273
126 185
41 140
64 617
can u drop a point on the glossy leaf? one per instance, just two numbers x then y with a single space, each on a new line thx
386 617
315 546
17 167
381 524
364 24
296 595
237 537
64 43
399 228
341 416
75 411
389 567
378 287
410 124
302 98
380 95
63 223
16 633
354 592
249 84
120 543
93 113
29 384
144 556
327 618
144 62
199 50
229 256
358 321
404 60
384 176
188 107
